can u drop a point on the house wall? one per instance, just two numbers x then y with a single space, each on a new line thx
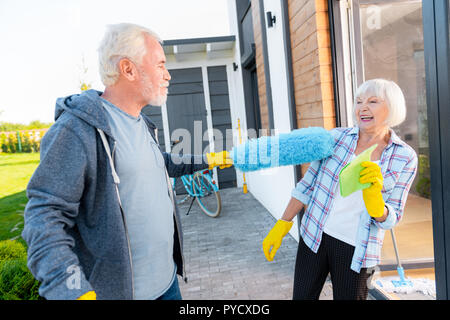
273 187
260 65
313 85
312 64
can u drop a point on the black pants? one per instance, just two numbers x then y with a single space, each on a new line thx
334 257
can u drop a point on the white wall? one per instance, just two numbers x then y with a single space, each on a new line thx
236 83
272 187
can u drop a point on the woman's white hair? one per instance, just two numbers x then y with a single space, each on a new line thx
123 40
390 92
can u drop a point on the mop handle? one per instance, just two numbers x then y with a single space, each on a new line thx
395 248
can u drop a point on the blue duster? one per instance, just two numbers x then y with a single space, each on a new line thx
297 147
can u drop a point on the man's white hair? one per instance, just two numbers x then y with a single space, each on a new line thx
390 92
123 40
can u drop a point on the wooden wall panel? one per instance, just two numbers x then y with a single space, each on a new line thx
311 63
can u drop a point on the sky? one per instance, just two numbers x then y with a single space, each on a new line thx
49 46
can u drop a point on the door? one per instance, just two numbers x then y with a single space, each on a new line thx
256 125
249 74
186 113
221 119
386 40
188 116
437 51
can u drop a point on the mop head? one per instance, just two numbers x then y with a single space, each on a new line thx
407 286
297 147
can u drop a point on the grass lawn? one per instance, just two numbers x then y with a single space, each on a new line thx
15 171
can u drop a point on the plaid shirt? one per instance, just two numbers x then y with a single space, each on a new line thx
318 187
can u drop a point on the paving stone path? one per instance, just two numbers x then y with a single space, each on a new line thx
224 257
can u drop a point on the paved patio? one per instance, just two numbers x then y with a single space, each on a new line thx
224 257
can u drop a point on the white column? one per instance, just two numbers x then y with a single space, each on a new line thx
165 120
209 116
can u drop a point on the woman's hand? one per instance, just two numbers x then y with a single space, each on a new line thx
372 195
273 240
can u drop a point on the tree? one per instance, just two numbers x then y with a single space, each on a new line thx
84 84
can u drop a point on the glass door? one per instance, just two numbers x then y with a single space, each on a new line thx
388 42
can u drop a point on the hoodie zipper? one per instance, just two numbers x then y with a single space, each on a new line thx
125 227
128 243
179 239
126 231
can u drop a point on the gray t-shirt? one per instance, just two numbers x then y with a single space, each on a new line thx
146 203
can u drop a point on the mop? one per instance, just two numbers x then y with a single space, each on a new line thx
296 147
404 285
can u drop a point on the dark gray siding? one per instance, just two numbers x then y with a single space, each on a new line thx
186 104
221 118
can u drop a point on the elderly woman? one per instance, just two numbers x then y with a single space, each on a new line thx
343 236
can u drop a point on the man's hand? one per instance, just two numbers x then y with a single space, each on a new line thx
221 159
90 295
275 237
372 195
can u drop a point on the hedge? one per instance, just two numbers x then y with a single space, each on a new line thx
16 280
21 141
12 250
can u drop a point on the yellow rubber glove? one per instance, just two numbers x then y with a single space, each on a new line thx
221 159
372 195
275 237
90 295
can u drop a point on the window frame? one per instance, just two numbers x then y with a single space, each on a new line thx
437 68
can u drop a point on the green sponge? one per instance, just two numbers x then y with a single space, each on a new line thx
349 176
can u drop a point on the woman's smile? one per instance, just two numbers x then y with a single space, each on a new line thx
366 119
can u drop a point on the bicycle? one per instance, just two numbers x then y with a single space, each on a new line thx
201 187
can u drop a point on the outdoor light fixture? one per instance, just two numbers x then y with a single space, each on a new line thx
235 66
270 20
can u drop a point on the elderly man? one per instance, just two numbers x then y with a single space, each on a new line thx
101 221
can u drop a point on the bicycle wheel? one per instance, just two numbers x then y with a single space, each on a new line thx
208 199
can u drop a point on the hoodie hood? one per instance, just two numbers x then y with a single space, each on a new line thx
86 106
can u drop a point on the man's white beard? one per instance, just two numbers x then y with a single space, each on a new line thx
159 100
147 90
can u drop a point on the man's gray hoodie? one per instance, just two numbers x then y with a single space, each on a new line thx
74 227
